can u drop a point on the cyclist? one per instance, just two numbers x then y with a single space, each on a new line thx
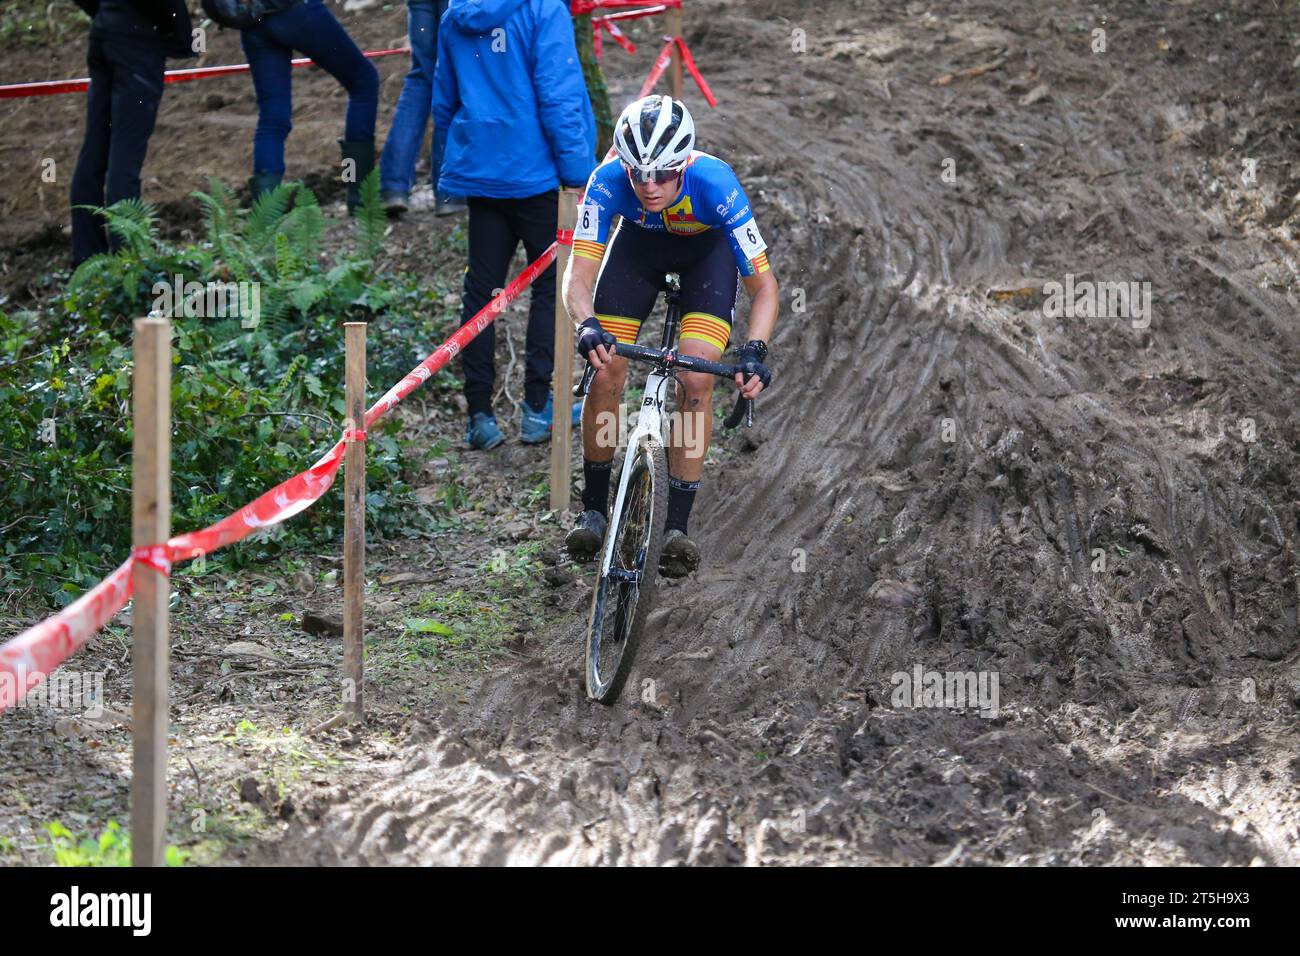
682 211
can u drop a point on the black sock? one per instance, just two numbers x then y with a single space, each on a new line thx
681 495
595 490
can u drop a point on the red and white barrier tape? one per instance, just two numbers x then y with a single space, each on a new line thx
602 26
578 7
633 14
27 659
661 64
51 87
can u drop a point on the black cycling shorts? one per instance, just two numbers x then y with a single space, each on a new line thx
632 276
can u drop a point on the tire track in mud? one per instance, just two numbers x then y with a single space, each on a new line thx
1121 690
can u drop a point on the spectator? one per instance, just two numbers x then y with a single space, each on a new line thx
406 135
310 28
130 41
510 98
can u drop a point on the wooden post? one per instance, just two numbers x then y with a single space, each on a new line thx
562 375
354 524
150 524
675 29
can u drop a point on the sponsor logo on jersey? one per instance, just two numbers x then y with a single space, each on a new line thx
738 216
731 201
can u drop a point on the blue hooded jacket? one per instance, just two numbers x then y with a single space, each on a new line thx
508 92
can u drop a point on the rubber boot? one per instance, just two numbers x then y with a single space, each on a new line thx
262 183
363 154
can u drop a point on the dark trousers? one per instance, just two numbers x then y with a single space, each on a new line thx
126 84
310 28
496 227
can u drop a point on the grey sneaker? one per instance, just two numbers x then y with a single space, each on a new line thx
395 203
450 207
679 556
587 536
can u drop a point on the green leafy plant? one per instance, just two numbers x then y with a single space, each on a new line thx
250 405
111 848
37 21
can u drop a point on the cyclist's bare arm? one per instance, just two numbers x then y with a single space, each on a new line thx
580 299
764 304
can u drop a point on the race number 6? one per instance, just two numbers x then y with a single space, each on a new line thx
749 239
588 222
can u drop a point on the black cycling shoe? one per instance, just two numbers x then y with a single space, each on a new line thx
679 557
587 536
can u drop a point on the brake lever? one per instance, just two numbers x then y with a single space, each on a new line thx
744 409
582 388
744 406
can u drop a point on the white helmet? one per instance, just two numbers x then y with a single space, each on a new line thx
654 134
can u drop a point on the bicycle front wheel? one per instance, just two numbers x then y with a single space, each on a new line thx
626 589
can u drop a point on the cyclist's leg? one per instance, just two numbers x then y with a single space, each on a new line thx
625 293
709 284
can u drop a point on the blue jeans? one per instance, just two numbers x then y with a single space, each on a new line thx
415 103
310 28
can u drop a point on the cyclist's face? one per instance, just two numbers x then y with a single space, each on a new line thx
655 197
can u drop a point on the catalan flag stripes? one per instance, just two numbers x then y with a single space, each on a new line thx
707 328
588 249
760 263
623 328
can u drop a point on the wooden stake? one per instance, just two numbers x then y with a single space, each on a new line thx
562 375
354 524
150 525
675 29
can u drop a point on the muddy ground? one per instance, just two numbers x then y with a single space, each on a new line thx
1098 511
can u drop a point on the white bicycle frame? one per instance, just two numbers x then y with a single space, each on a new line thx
649 428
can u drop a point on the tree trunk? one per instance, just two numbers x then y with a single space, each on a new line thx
596 89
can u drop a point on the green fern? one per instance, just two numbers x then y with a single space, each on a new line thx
134 222
95 271
289 264
372 221
307 293
275 243
266 218
304 225
220 214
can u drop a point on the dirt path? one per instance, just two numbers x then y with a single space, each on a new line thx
1100 512
1147 710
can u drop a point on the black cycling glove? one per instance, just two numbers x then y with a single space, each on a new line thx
592 335
752 356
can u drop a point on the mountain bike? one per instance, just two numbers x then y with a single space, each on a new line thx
627 576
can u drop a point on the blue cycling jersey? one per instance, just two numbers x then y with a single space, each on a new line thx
711 198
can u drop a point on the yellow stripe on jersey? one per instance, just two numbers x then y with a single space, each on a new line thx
706 328
620 326
760 263
588 249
